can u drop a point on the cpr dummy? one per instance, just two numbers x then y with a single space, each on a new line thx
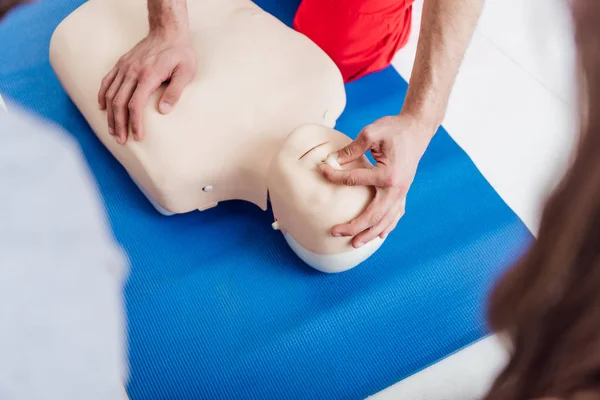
257 119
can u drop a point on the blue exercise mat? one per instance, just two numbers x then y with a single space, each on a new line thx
220 307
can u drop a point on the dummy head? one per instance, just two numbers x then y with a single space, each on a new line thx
306 206
548 305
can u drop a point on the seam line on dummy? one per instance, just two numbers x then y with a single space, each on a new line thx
319 145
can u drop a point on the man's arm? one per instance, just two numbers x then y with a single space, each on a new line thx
164 55
446 30
397 143
167 16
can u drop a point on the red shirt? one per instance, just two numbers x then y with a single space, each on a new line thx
361 36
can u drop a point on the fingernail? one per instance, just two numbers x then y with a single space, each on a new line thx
337 235
111 131
164 107
335 156
359 244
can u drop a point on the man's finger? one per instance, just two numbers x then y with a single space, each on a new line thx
145 87
377 229
399 216
172 93
354 177
120 108
354 150
106 83
391 227
372 215
110 95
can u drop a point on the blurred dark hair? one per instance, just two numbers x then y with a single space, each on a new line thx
7 5
548 305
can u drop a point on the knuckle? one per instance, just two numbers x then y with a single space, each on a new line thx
350 181
147 75
132 73
117 102
123 60
183 68
387 181
347 151
391 180
387 119
133 106
368 134
135 68
376 218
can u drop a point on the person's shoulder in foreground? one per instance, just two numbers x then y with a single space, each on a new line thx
62 333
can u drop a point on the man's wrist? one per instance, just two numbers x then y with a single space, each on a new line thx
424 123
426 105
170 33
168 18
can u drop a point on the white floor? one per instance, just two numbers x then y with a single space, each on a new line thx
512 110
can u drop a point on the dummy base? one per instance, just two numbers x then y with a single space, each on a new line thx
332 263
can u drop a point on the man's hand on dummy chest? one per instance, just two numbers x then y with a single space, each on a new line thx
165 55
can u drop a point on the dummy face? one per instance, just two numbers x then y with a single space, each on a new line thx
305 205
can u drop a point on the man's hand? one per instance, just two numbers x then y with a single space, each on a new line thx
397 144
126 89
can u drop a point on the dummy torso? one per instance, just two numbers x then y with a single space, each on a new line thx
257 81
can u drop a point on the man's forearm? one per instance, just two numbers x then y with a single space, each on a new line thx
446 30
167 16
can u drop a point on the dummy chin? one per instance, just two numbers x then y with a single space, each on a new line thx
255 122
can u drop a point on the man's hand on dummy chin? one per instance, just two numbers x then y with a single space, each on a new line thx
126 89
397 144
